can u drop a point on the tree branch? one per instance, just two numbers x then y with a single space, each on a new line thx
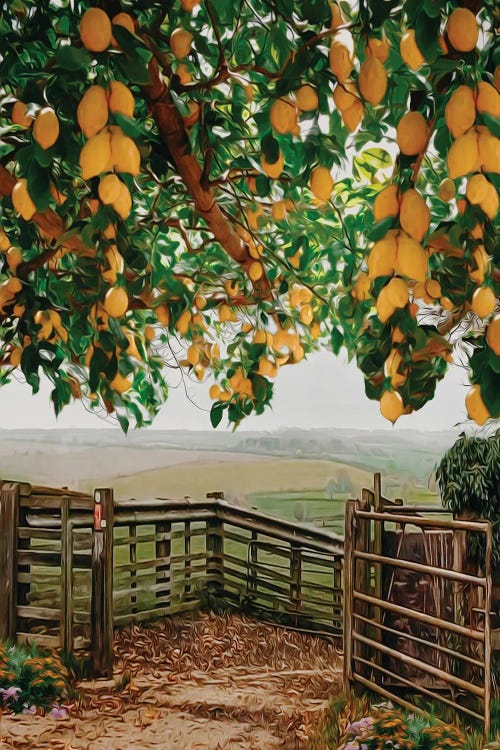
174 135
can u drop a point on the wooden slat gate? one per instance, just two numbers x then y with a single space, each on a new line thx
415 621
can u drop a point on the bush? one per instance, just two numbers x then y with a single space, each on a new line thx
31 678
388 728
469 481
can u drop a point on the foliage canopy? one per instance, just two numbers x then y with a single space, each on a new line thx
223 187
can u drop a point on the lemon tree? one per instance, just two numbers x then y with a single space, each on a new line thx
223 187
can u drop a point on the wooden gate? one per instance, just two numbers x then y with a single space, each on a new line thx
416 620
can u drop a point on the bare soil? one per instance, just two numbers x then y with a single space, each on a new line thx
211 683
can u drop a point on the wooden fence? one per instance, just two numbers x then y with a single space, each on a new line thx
74 566
414 621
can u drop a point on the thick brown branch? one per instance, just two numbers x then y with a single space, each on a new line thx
174 135
50 224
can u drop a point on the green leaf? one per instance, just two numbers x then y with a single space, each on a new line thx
270 148
492 123
134 70
262 185
380 229
337 340
259 385
216 413
72 58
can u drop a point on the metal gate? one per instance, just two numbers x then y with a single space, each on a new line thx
417 610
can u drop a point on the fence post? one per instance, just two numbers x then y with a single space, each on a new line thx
9 515
163 548
295 580
378 571
66 577
102 584
350 520
215 542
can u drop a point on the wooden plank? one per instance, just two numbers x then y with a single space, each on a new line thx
215 547
41 557
132 556
102 585
163 550
9 513
488 646
349 588
187 560
66 577
40 613
49 641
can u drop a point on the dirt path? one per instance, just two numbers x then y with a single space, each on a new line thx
215 683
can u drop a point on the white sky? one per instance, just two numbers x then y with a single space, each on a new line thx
323 391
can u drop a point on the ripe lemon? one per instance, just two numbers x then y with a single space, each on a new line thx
120 384
488 99
493 335
391 405
255 217
380 48
193 354
15 356
180 43
361 288
306 98
462 30
95 30
397 292
482 262
412 133
255 270
489 203
321 183
184 74
14 258
336 16
353 115
409 50
227 315
372 80
95 156
188 5
162 313
475 406
125 154
21 200
384 306
382 258
345 95
483 301
92 111
116 301
341 62
278 211
386 203
46 128
460 111
123 203
214 392
275 169
463 156
19 115
411 259
420 292
447 189
121 99
477 188
109 188
283 116
267 368
306 315
392 366
433 288
414 215
489 151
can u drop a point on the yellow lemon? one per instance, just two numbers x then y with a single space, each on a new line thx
412 133
391 405
306 98
109 188
483 301
372 80
321 183
95 30
493 335
180 43
462 30
488 99
95 156
411 259
460 111
121 99
463 156
386 203
409 50
283 116
21 200
397 292
414 215
382 258
116 301
46 128
19 115
475 405
125 154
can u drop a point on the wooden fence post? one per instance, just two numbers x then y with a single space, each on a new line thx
9 515
215 543
163 548
66 577
102 584
350 520
295 580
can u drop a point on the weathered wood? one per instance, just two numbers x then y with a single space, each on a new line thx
215 547
349 539
9 513
163 549
296 578
102 585
66 577
132 556
488 639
